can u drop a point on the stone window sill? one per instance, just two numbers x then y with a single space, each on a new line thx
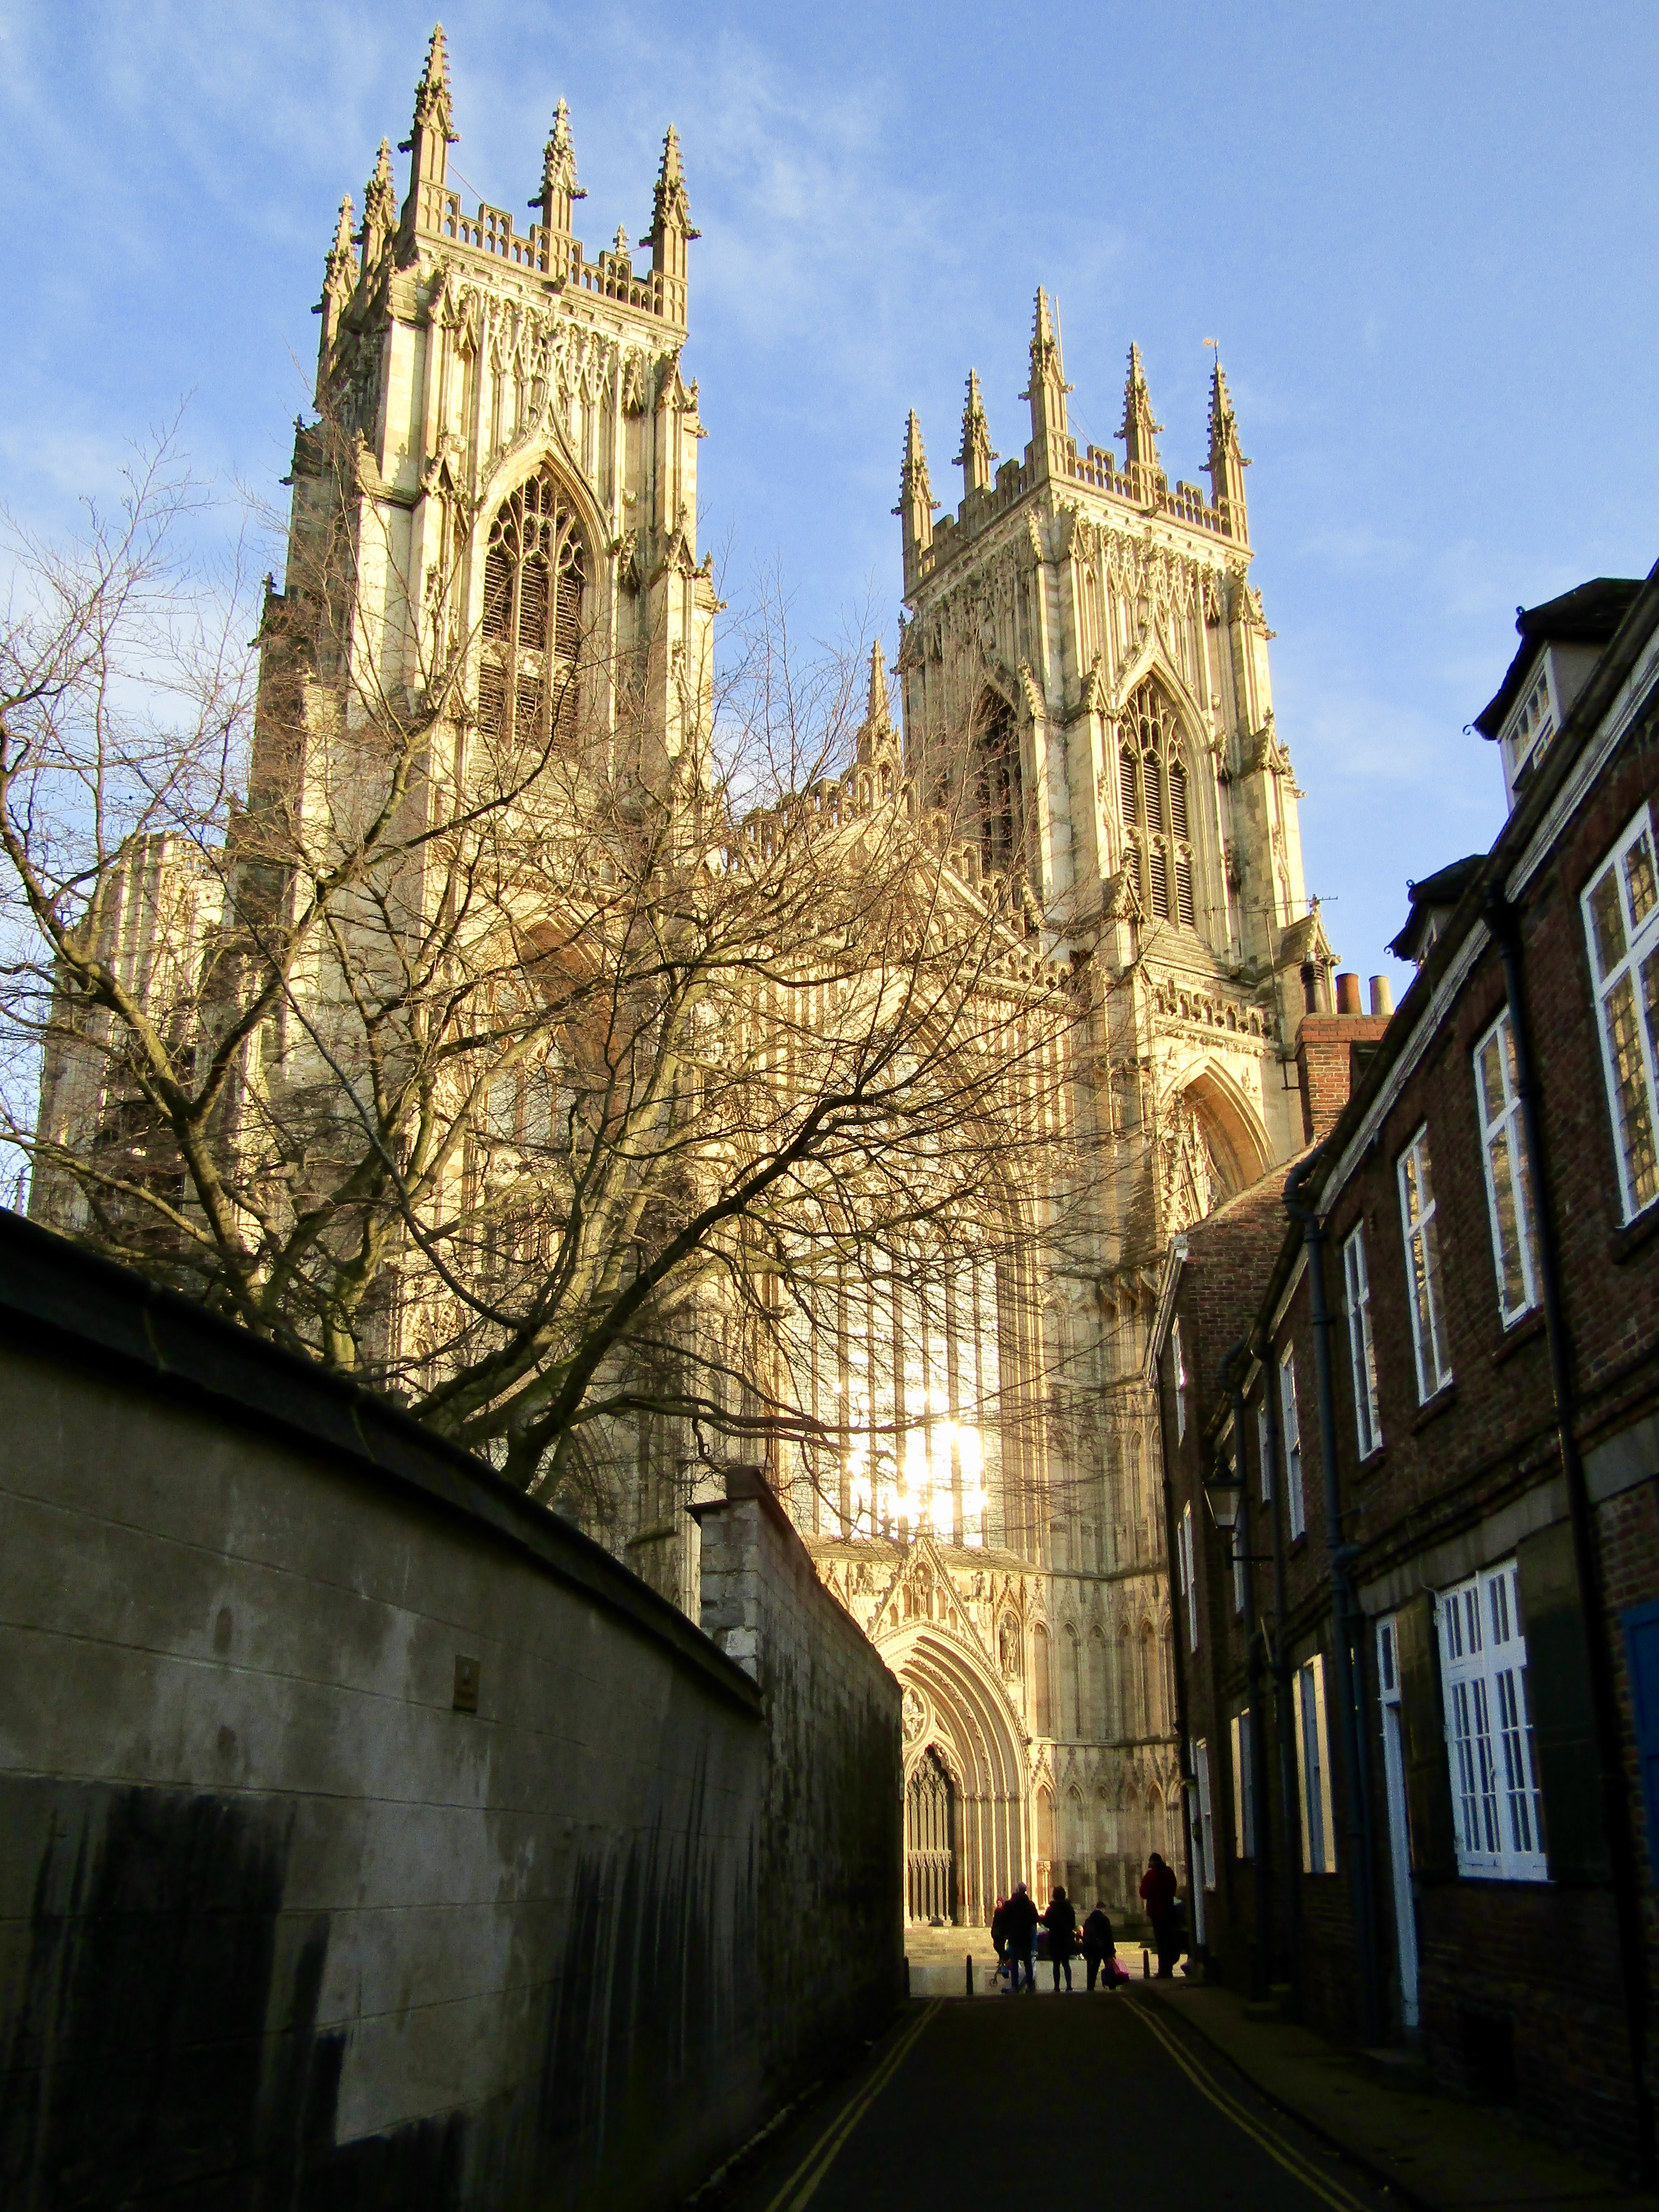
1442 1403
1624 1243
1525 1331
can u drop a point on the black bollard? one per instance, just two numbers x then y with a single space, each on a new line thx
970 1973
1145 1965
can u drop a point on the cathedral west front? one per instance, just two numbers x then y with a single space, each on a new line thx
1080 681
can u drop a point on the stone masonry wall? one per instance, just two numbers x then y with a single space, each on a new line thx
283 1919
831 1873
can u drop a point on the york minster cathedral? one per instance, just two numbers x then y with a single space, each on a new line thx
975 1468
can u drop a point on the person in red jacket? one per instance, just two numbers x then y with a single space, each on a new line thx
1158 1894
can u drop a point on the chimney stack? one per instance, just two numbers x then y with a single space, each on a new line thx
1381 996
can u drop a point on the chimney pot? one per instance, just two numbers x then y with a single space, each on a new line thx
1381 995
1347 994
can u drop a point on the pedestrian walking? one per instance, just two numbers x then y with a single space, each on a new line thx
1099 1948
999 1935
1158 1894
1060 1921
1022 1927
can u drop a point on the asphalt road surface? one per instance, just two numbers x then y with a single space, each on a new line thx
1100 2100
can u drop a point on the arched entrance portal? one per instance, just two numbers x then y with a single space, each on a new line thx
930 1840
959 1730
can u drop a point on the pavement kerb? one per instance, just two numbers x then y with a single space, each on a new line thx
1523 2155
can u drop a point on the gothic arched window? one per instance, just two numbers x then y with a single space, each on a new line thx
535 569
997 789
1043 1718
1152 772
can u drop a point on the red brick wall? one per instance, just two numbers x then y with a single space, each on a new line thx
1540 1956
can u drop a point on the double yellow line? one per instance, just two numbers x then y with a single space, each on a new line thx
1330 2192
799 2188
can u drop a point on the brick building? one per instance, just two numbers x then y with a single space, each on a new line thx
1410 1398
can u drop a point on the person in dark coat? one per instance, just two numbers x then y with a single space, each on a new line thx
1099 1945
1158 1894
1022 1927
1060 1921
999 1930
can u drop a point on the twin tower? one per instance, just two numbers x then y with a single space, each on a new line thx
1083 663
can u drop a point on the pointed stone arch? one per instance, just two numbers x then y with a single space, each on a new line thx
995 794
1238 1134
975 1732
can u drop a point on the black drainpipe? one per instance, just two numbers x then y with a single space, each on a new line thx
1262 1947
1280 1667
1504 923
1344 1613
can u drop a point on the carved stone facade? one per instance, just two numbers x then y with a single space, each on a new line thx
1003 1541
1100 629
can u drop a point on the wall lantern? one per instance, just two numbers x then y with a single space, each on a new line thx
1224 1493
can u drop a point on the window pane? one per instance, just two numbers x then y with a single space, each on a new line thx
1491 1078
1516 1794
1485 1774
1509 1235
1640 887
1630 1084
1408 1184
1431 1276
1606 923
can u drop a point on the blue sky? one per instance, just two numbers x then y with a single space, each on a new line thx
1425 235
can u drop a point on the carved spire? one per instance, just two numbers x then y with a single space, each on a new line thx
876 733
671 229
380 208
1138 431
916 501
1047 390
1227 462
560 189
427 144
976 458
339 282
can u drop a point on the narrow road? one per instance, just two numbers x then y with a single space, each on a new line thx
1101 2101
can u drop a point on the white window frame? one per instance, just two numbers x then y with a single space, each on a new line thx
1236 1550
1362 1352
1206 1817
1243 1786
1509 1177
1180 1381
1189 1574
1529 726
1313 1766
1420 1233
1290 1430
1497 1799
1638 1159
1264 1446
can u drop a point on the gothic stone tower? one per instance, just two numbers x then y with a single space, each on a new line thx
1084 681
486 369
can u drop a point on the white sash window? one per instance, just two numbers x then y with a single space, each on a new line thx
1508 1182
1621 915
1362 1353
1498 1805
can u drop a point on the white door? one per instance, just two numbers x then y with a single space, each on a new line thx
1400 1850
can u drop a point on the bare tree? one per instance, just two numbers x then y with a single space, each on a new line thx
444 1030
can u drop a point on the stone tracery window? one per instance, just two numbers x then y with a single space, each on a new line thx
997 791
535 573
1153 798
